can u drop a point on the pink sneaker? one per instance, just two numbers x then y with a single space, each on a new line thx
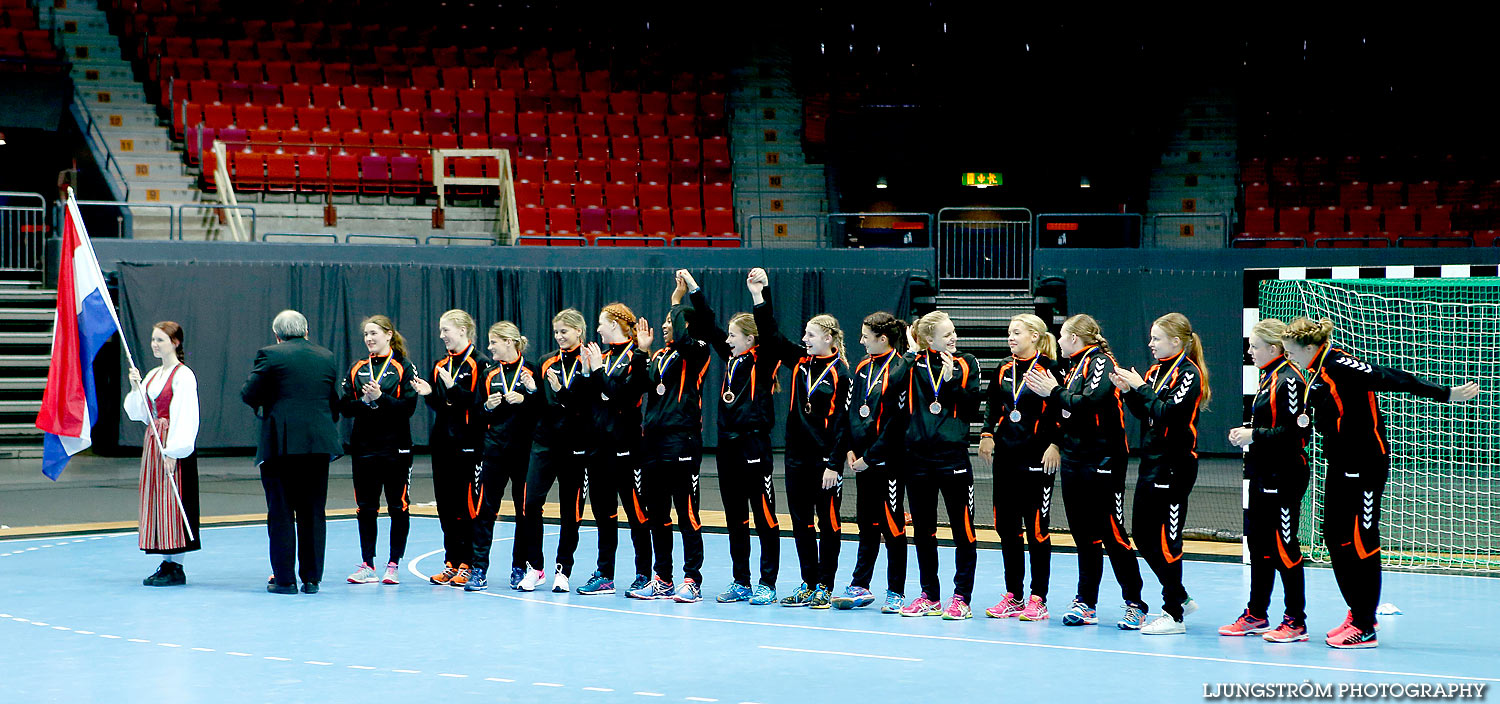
1246 624
922 606
1036 610
1009 607
1351 636
958 609
391 576
1348 621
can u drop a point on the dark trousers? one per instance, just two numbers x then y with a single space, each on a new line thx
373 474
454 473
615 480
878 505
1351 530
565 467
1094 497
807 500
1023 512
1161 504
484 505
671 472
296 493
746 486
1274 514
955 485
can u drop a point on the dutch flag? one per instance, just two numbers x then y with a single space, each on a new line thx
85 321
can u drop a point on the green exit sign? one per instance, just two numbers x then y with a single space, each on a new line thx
983 179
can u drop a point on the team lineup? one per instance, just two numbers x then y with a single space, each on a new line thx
617 424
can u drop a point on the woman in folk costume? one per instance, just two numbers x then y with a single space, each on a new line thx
169 467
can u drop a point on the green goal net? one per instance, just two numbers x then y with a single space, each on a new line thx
1443 496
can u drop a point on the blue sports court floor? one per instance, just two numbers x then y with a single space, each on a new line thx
77 625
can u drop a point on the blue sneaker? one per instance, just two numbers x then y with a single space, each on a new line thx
687 592
893 602
1080 615
516 575
802 596
655 589
853 598
598 584
733 593
763 595
1134 618
476 581
637 583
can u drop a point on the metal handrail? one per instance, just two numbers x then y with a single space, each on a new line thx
679 241
214 206
937 235
91 128
349 238
751 231
1157 217
641 240
925 216
128 233
331 237
471 238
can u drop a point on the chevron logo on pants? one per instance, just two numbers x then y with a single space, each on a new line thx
1174 517
1368 517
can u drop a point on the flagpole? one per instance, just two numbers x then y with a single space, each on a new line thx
159 444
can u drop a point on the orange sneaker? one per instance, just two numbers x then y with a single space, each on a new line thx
446 576
461 577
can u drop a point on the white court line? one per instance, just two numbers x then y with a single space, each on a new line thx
360 667
597 689
546 684
838 652
700 699
960 639
497 679
411 565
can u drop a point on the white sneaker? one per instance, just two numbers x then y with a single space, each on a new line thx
1164 625
532 579
365 574
560 584
1189 606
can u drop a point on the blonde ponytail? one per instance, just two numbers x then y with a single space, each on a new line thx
1087 330
1304 331
1046 341
1177 325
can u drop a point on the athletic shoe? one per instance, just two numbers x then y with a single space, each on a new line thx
159 577
476 581
516 575
462 578
1288 632
597 584
853 598
1349 621
893 603
1164 625
654 589
687 592
639 581
1080 615
446 576
958 609
364 574
391 574
1351 637
532 580
560 584
821 598
1008 607
733 593
922 606
309 587
1189 606
764 595
1036 610
1245 625
1134 618
801 596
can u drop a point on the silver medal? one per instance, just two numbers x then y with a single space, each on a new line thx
1066 413
807 408
864 411
661 389
1015 415
603 397
935 408
1303 421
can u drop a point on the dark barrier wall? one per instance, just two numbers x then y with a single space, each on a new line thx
226 309
1126 289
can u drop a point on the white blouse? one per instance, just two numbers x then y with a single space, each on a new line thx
183 433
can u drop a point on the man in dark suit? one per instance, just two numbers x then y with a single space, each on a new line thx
293 389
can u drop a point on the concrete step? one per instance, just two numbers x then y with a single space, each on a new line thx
91 75
102 100
12 430
137 141
152 191
23 383
95 48
809 178
75 21
755 158
25 361
112 117
747 95
18 406
164 167
27 298
124 109
29 315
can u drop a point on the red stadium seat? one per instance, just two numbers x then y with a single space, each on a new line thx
1386 195
1436 220
281 173
659 148
594 147
688 221
686 195
557 194
619 195
533 220
501 123
1329 221
593 170
326 96
281 118
625 102
718 196
534 170
651 125
266 94
719 222
593 220
624 221
385 98
682 126
565 146
1422 195
249 170
656 221
652 195
1293 221
588 194
370 120
312 172
528 194
406 121
385 144
620 125
1365 222
562 220
1400 222
716 148
624 169
686 170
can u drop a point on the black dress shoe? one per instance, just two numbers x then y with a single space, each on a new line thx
175 576
309 587
159 577
281 588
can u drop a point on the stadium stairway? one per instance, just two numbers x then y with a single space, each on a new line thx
110 96
1197 177
772 178
982 319
25 346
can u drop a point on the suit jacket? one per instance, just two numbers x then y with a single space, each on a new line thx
294 390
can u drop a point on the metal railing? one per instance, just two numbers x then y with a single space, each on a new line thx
755 236
449 239
992 246
299 237
125 218
92 132
23 231
356 238
839 235
1160 238
219 209
1127 239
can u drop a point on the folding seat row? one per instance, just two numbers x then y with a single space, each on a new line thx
564 220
